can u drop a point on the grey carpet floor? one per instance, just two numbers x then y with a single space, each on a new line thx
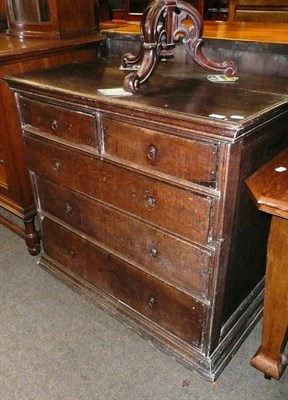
57 345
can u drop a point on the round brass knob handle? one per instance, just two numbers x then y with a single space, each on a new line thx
154 252
54 125
150 201
68 209
152 301
57 166
71 253
152 152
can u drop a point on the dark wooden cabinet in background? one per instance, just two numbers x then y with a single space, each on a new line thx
3 19
142 200
50 18
133 9
208 9
258 11
19 53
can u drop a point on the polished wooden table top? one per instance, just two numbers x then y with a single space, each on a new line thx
269 186
12 47
246 31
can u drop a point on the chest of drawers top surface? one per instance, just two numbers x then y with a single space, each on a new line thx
176 95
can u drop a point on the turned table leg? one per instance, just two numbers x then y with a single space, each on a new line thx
270 357
31 236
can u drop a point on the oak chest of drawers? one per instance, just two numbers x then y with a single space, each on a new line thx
142 199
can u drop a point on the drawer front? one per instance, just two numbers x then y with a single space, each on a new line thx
169 308
180 211
3 176
167 257
72 126
191 160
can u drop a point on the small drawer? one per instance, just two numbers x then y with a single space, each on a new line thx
170 259
165 306
192 160
71 126
178 210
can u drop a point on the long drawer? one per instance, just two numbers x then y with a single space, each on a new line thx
169 258
181 211
167 307
191 160
74 127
